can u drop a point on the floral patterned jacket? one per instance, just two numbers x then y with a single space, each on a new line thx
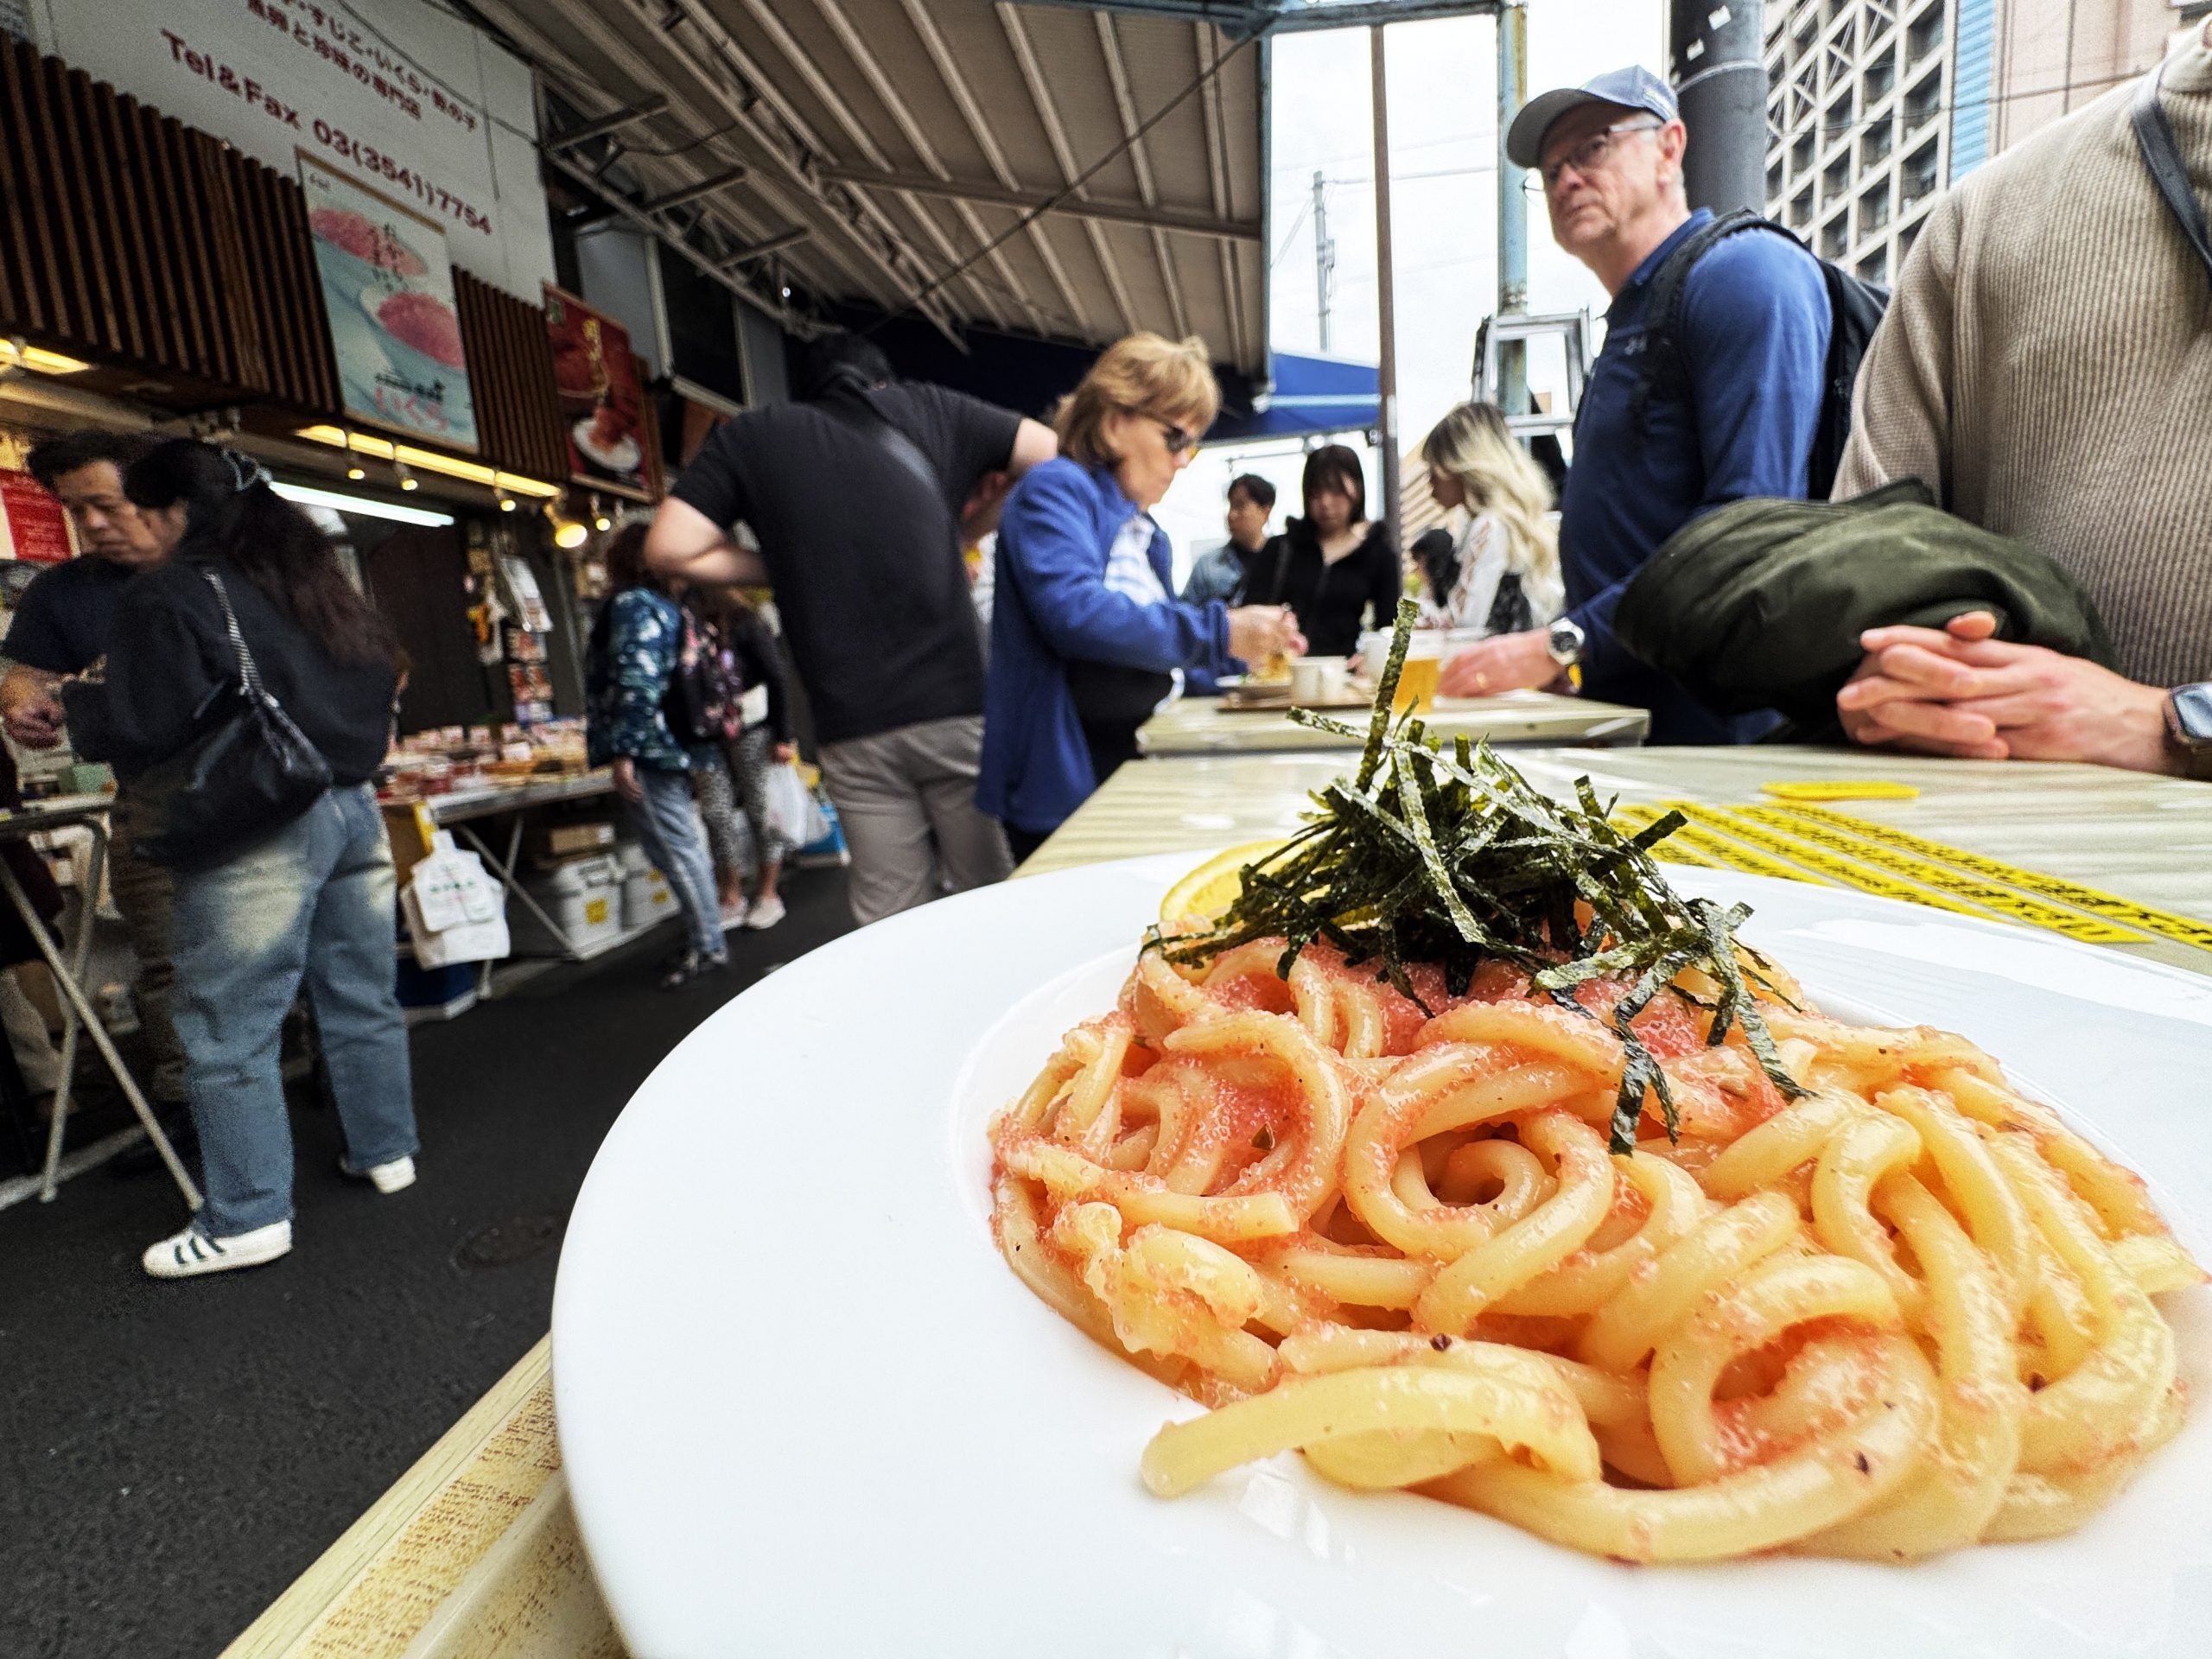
632 652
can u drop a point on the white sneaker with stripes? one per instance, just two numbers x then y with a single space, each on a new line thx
191 1253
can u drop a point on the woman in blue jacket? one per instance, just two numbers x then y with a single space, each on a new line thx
1087 637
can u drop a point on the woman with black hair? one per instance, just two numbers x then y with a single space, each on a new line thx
1332 566
307 900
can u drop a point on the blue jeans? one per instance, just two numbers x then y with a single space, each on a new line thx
668 827
313 902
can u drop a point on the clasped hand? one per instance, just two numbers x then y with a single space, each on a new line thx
1960 692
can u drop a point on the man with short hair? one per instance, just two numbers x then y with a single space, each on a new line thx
60 628
2044 368
1227 572
1739 421
858 497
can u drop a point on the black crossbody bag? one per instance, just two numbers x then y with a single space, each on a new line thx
247 772
2154 136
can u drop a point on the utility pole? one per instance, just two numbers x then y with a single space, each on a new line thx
1325 254
1718 77
1512 205
1385 376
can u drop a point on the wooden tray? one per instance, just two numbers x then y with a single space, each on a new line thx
1262 699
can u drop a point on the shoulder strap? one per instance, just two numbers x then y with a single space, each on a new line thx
904 449
2154 136
1662 311
249 676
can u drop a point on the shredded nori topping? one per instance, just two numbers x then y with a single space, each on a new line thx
1458 860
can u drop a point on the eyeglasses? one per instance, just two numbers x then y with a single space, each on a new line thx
1591 152
1176 438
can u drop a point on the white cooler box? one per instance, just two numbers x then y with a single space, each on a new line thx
584 895
647 898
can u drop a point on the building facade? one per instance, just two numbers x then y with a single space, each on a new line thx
1874 106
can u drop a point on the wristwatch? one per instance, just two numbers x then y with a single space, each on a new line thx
2189 726
1565 639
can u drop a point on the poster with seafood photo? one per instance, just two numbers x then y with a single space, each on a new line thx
612 441
388 288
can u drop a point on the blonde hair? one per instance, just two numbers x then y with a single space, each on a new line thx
1472 444
1139 374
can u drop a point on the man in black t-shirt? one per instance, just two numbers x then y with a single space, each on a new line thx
856 497
61 628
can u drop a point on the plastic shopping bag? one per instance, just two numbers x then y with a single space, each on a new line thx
790 806
456 912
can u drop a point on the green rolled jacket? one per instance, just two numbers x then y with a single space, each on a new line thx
1760 604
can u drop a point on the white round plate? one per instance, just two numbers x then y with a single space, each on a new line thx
804 1408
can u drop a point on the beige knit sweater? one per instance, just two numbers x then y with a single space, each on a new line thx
2046 364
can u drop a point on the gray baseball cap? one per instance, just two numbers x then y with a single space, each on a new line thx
1632 88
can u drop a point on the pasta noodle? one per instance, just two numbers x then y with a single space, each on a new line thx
1906 1311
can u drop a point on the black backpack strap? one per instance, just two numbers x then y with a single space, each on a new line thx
2154 136
1663 312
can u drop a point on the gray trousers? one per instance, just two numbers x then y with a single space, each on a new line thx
906 798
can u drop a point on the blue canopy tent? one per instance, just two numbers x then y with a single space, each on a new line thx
1311 395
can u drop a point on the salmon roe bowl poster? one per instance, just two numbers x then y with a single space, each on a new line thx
610 438
387 286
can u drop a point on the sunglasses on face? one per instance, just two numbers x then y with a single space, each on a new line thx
1174 437
1591 152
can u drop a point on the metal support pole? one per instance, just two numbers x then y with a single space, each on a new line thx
1386 307
1718 77
1325 254
1512 205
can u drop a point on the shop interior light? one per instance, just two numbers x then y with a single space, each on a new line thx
354 470
507 502
408 456
15 354
569 531
407 479
600 521
361 506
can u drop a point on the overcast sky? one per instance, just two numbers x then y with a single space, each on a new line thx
1443 85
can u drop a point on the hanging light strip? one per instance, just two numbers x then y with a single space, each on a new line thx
307 496
428 460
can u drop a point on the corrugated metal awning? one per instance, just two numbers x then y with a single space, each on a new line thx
887 152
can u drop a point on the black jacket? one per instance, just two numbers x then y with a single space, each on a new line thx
1760 604
1329 599
170 650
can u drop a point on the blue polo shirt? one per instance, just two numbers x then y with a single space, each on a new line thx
1754 337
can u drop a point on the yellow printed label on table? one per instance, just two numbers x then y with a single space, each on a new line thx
1840 789
1674 849
1852 852
1691 845
1843 870
2184 930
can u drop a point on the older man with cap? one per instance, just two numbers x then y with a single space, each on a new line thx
1652 453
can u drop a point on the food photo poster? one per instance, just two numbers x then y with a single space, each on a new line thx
387 286
611 443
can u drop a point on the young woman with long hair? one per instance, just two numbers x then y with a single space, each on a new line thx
1504 571
637 646
307 901
1334 566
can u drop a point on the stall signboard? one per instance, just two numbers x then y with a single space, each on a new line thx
402 94
611 439
387 287
33 526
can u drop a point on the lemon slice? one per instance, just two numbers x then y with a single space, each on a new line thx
1210 889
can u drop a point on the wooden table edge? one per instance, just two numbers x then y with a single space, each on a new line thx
340 1570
